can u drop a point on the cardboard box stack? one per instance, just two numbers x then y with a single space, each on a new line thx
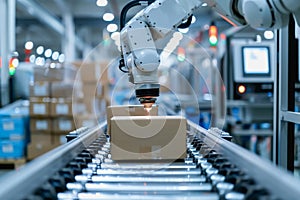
93 97
50 109
60 103
14 130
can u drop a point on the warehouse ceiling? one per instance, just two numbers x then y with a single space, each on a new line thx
87 16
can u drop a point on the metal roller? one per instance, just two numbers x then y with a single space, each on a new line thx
88 172
148 187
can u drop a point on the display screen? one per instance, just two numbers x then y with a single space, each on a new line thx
256 61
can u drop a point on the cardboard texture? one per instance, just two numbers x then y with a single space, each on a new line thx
61 107
91 89
41 125
40 144
63 125
148 138
40 89
86 120
128 110
39 107
89 105
62 89
93 71
42 73
59 139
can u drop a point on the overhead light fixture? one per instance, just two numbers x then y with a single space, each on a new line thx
61 58
40 50
32 58
206 27
204 5
101 3
52 65
28 45
112 27
48 53
116 37
108 17
40 61
55 55
15 62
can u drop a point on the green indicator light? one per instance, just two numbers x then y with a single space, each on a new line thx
12 71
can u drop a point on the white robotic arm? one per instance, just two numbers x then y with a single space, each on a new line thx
138 43
158 20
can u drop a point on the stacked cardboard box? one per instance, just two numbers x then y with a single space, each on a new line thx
14 133
50 109
92 98
61 102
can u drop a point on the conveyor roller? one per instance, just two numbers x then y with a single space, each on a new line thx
213 169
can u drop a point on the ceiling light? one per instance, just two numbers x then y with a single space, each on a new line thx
55 55
204 4
115 36
112 27
61 58
15 62
108 17
28 45
40 50
101 3
48 53
32 58
206 27
52 65
40 61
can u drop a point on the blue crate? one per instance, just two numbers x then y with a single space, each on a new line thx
14 121
12 128
12 149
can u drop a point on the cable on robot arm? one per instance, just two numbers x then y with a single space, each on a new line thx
130 5
124 11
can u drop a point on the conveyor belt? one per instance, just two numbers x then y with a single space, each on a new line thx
213 169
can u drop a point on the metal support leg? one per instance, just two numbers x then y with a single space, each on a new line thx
7 44
285 81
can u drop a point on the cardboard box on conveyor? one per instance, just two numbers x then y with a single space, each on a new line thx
128 110
148 138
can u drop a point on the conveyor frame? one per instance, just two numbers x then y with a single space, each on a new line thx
28 178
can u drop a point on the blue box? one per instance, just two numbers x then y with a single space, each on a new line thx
12 128
14 121
12 149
